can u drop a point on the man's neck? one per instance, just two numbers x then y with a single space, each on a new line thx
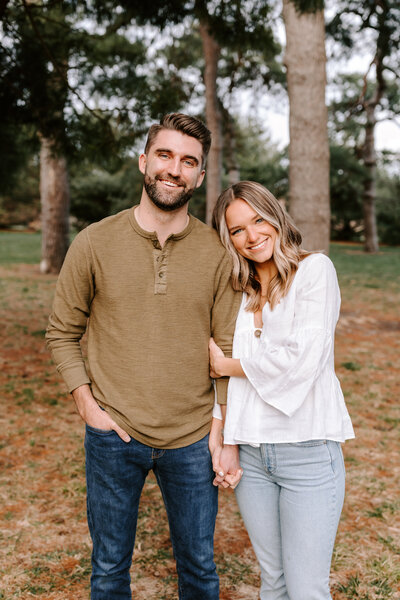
164 223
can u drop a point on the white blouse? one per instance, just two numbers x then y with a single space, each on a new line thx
290 392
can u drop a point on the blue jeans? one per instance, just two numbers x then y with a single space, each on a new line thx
290 498
115 474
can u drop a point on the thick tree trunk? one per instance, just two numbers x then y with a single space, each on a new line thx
211 52
369 195
54 195
305 61
229 147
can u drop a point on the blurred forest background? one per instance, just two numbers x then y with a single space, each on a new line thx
81 81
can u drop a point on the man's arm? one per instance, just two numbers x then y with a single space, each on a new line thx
224 313
67 324
93 415
71 307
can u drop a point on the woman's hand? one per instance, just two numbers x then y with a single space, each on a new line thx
215 359
227 467
220 366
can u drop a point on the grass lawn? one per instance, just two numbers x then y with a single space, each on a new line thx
19 248
44 541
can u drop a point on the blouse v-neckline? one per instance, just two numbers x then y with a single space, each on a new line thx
258 329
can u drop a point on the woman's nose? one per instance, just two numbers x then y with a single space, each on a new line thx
251 234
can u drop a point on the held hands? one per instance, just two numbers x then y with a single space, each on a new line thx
226 466
93 415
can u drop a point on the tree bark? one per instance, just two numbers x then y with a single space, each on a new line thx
211 51
229 146
369 159
55 200
305 60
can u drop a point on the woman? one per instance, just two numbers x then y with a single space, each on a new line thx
285 407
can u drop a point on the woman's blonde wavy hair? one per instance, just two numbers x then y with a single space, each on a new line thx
287 252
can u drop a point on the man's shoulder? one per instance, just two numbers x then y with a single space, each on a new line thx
206 235
110 224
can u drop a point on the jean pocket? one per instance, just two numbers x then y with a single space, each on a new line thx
91 429
308 443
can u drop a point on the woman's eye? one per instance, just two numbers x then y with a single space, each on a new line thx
259 220
236 231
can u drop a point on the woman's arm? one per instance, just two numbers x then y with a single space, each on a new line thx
221 366
225 458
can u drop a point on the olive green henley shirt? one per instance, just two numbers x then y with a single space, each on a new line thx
149 313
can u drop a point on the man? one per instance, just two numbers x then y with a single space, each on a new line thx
151 285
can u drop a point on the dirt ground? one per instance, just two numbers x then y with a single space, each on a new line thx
44 541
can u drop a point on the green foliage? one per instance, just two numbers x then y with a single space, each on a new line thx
352 19
260 160
308 6
347 175
388 208
20 204
346 189
17 144
74 73
98 194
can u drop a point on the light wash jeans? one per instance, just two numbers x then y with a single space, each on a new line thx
290 498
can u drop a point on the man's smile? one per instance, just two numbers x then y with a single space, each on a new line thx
169 183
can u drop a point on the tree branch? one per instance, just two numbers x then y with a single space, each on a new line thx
57 67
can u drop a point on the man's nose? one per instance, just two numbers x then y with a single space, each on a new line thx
174 167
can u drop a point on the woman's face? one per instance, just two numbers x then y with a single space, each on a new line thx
252 236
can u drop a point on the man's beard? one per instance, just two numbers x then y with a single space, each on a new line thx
162 199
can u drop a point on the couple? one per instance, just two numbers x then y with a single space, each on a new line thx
152 285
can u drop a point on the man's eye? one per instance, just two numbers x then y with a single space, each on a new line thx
259 220
189 163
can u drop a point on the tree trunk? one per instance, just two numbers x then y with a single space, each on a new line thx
211 52
305 61
229 146
54 194
369 158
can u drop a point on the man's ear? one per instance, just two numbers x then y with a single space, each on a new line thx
142 163
200 179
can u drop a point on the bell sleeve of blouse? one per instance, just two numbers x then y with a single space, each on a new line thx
284 375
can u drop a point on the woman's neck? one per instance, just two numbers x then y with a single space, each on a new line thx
265 272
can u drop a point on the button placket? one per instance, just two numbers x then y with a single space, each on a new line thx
160 270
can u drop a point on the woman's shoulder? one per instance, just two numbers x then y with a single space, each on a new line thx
316 260
316 266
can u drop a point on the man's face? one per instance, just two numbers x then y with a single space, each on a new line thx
172 169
